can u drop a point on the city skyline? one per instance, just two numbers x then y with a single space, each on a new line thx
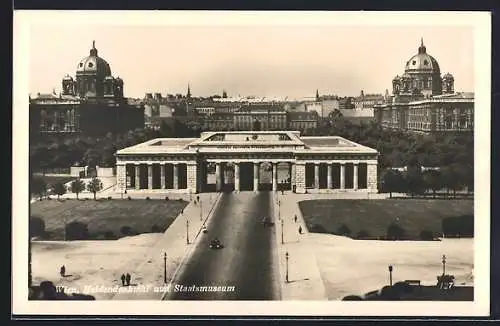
287 61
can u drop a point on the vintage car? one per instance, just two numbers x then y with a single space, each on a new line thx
215 244
266 221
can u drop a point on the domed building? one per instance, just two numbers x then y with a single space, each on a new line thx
424 101
92 103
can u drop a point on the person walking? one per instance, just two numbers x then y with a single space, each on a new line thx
127 279
295 218
300 229
62 270
123 279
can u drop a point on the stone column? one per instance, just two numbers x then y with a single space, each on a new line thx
162 175
371 176
192 177
316 175
236 176
121 177
137 176
256 166
292 176
329 180
218 176
176 175
300 178
275 176
355 177
150 176
342 175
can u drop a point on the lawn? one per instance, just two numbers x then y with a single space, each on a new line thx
374 216
106 215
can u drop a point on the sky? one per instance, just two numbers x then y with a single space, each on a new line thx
252 59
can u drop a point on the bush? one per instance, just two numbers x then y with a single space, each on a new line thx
156 229
167 199
129 198
109 235
316 228
126 230
362 234
462 226
343 230
395 232
77 231
37 226
352 298
109 198
426 235
180 200
147 198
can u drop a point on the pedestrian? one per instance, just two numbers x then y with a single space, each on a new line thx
62 270
295 218
300 229
197 198
282 191
123 279
127 279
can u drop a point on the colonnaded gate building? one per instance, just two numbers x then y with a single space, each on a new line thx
247 161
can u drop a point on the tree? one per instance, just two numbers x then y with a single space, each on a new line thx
94 186
395 232
59 189
432 180
362 234
392 181
343 230
38 187
77 186
414 181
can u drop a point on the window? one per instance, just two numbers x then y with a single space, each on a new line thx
90 64
426 62
414 62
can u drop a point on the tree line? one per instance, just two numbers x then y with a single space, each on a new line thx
453 152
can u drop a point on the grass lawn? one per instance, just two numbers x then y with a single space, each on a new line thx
374 216
106 215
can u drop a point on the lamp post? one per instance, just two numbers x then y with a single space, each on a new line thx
279 209
286 275
201 210
282 239
444 264
390 275
65 237
187 231
165 267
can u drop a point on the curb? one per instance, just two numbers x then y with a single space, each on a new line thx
188 253
276 247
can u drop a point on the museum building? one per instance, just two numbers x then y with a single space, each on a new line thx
424 101
247 161
93 103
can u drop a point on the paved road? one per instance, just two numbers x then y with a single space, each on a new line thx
247 260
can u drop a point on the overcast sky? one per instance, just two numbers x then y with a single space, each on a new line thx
247 60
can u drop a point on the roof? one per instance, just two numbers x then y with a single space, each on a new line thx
248 141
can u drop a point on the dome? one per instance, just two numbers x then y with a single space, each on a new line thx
422 62
448 76
93 64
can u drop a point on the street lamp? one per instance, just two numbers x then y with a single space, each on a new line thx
444 264
282 240
286 275
201 210
165 267
390 275
279 209
187 231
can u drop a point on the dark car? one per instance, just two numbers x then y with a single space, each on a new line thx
215 244
266 221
